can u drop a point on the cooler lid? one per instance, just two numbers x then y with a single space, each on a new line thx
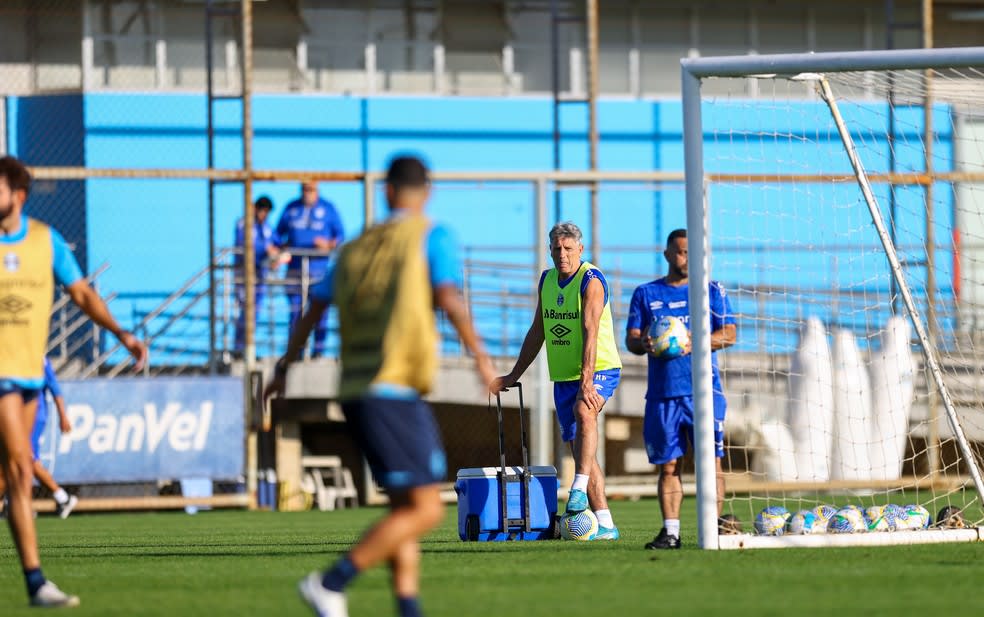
492 472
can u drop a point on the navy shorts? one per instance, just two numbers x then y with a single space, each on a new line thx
10 387
400 439
565 396
668 427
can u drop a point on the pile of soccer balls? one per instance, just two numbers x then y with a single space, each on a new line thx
777 520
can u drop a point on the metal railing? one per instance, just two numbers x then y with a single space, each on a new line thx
501 296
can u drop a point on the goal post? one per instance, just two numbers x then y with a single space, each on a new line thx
794 172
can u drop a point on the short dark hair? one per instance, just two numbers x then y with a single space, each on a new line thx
407 172
18 178
676 233
263 203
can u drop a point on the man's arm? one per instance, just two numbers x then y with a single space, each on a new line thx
527 353
592 305
448 298
637 337
336 233
637 343
298 338
63 422
724 337
92 305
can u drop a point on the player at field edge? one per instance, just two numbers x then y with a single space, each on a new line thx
386 285
64 503
668 425
574 319
35 259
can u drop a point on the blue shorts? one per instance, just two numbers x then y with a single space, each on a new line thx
8 386
399 439
565 395
668 428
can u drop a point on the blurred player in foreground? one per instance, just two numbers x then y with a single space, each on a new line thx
64 503
668 425
35 259
574 318
386 285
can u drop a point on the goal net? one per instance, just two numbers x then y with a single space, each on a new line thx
840 201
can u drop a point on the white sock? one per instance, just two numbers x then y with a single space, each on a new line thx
605 518
580 482
672 526
61 496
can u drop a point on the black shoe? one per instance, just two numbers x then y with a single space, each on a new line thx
663 540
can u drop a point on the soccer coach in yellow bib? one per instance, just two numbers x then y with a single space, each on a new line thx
574 319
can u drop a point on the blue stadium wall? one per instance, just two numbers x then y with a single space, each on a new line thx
154 233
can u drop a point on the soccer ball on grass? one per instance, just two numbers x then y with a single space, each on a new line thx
581 526
771 521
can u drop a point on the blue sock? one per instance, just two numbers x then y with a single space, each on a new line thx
34 580
340 575
408 607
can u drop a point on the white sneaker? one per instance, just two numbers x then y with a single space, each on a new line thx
50 596
64 509
326 603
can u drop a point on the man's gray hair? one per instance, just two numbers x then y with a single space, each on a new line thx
567 229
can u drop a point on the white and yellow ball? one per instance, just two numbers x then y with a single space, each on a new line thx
806 522
582 526
771 521
918 516
670 337
849 519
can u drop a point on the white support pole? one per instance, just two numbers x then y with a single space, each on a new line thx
924 339
440 80
542 419
231 61
509 68
88 47
370 68
302 61
698 227
160 63
576 81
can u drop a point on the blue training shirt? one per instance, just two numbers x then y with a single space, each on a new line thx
443 262
66 271
672 378
262 242
299 225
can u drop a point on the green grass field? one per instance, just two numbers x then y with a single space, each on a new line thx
248 563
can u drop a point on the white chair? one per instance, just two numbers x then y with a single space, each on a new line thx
346 490
331 483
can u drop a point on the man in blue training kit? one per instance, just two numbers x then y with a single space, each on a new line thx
64 503
386 285
35 259
668 426
309 223
265 249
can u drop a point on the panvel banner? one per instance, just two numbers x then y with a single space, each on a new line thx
147 429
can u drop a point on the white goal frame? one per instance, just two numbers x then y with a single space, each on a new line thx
693 70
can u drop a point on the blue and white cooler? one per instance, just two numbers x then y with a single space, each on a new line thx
484 514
